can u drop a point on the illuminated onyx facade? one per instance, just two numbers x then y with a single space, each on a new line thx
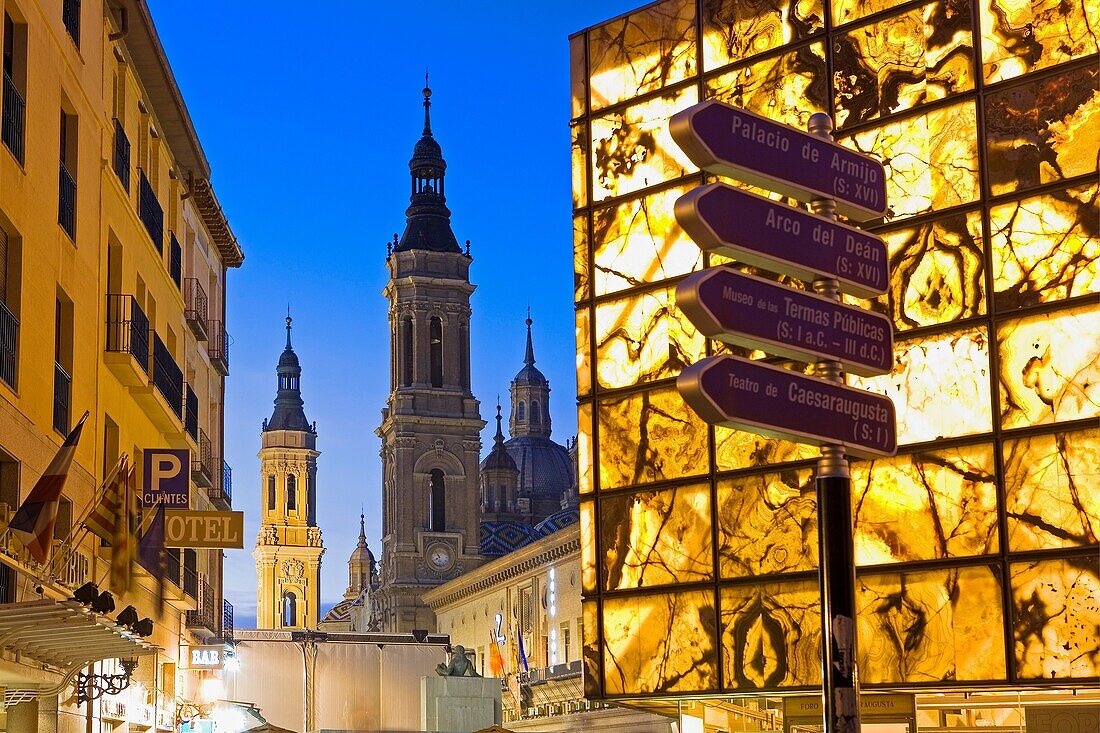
977 544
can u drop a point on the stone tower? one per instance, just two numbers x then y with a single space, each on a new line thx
499 477
288 550
431 425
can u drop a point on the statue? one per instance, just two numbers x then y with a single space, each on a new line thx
458 666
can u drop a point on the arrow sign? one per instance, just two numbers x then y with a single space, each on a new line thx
749 311
734 142
769 400
780 238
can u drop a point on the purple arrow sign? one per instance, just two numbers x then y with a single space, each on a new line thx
769 400
759 314
774 236
731 141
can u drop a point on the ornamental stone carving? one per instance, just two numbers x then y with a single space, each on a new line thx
293 569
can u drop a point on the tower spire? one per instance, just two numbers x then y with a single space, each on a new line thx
529 357
427 106
498 439
288 322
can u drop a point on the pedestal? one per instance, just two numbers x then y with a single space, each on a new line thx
459 704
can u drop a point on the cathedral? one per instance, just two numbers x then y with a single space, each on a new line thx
444 511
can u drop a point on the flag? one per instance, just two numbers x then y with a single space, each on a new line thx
101 520
123 541
496 661
150 548
522 653
33 523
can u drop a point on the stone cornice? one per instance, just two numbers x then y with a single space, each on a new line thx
562 544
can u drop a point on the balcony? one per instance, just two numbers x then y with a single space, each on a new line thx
14 118
202 467
175 260
191 412
217 346
127 340
150 212
9 346
206 615
227 622
62 388
162 397
221 493
66 200
122 156
194 307
70 14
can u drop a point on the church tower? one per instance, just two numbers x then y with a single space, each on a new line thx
288 550
431 425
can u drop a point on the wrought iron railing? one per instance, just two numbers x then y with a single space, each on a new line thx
194 307
9 346
190 584
70 14
167 376
66 200
122 156
173 568
175 260
227 621
202 467
217 346
205 615
191 412
62 387
150 212
222 491
14 119
128 328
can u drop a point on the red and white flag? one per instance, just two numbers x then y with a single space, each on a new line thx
34 521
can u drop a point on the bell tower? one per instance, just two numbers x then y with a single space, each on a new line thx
288 549
431 425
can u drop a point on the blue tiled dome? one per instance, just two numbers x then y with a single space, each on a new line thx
559 520
500 538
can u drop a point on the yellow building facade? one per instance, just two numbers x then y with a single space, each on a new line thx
113 260
976 547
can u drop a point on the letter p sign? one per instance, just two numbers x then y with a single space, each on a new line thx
167 478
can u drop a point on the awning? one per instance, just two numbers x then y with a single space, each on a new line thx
64 635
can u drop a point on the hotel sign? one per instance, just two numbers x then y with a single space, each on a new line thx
223 530
731 141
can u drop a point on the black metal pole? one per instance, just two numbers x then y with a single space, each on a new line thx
836 560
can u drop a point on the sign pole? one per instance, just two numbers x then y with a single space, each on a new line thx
837 575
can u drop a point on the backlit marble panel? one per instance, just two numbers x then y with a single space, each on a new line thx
590 648
930 626
1057 618
584 352
649 437
932 379
632 149
736 449
581 289
734 30
903 61
578 78
767 524
931 160
788 88
927 506
579 153
584 448
656 537
1019 36
1050 367
771 635
1045 248
660 643
644 51
643 338
1043 131
937 272
847 11
639 242
588 550
1051 487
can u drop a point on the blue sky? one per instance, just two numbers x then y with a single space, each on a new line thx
308 115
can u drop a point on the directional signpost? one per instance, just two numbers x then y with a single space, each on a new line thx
750 311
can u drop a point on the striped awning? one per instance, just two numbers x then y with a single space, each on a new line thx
66 635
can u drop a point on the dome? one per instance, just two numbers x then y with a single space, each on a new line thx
530 375
559 520
500 538
288 359
498 459
340 613
544 466
427 147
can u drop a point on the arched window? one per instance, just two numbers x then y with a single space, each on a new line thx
521 412
436 502
464 354
271 493
406 351
290 609
535 414
291 492
435 344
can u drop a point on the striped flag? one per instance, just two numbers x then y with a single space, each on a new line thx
496 661
123 542
150 548
101 520
522 652
33 523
